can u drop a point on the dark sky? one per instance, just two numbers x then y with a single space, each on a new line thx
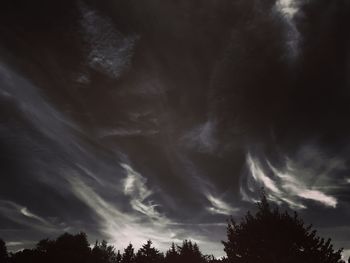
158 119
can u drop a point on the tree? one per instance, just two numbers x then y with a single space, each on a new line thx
70 248
128 255
103 253
272 236
189 252
66 248
172 255
4 257
149 254
119 257
27 256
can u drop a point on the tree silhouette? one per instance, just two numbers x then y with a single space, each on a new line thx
66 248
104 253
190 252
149 254
128 255
119 257
4 257
26 256
172 255
69 248
272 236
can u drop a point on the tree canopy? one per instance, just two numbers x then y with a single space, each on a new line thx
274 236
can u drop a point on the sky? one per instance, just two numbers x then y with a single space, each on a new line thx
136 120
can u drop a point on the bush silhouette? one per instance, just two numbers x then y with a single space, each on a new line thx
273 236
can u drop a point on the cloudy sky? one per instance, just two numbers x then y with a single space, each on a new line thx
135 120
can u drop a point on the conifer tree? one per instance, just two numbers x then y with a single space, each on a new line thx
149 254
128 255
172 255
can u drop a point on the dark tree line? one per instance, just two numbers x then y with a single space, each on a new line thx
75 248
269 236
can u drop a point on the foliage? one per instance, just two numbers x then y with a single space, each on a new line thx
128 255
149 254
66 248
273 236
104 253
190 252
172 255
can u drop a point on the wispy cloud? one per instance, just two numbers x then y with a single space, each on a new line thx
125 212
34 106
24 217
27 213
259 175
284 185
135 187
218 206
121 226
291 183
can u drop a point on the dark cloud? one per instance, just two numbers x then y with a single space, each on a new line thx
133 120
